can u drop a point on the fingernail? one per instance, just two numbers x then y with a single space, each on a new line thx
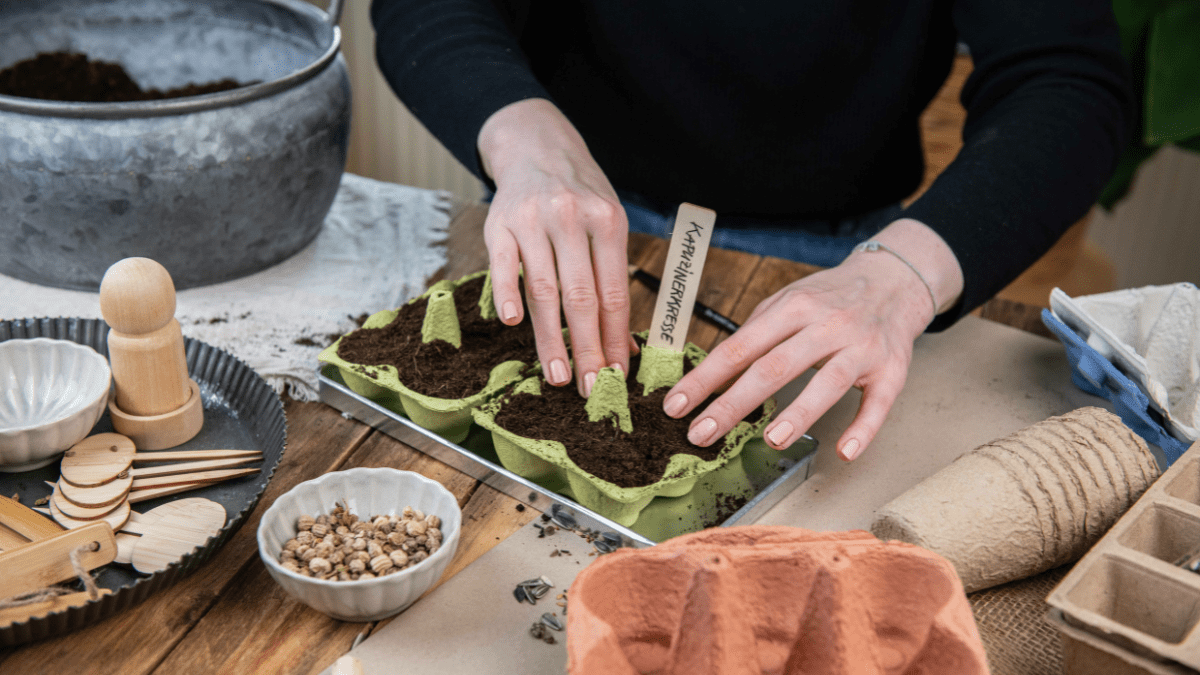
558 372
510 310
851 450
589 381
675 405
781 433
618 368
702 433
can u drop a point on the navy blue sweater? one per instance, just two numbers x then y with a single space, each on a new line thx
797 108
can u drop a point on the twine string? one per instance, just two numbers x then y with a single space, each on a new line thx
51 592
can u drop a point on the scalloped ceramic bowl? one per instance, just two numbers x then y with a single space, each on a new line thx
52 392
366 492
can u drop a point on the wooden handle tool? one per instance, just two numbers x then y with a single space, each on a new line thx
47 562
10 539
25 521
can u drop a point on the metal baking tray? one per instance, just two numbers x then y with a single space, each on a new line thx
240 411
773 481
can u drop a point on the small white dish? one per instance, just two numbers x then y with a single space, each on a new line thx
52 392
366 493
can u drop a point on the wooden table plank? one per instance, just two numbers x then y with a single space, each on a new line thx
137 640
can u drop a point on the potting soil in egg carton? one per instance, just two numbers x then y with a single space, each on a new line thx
741 479
1132 604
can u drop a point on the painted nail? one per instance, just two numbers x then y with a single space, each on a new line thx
781 433
851 450
510 310
558 372
702 433
675 405
589 381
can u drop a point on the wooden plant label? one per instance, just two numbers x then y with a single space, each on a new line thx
681 276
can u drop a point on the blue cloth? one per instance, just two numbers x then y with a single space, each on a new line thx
1096 375
825 243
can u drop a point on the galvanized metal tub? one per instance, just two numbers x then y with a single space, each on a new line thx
214 187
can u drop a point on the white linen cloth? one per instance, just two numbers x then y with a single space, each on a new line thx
378 245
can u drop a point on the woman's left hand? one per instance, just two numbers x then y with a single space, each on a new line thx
856 322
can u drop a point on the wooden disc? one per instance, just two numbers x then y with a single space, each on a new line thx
77 512
101 495
182 526
116 518
97 460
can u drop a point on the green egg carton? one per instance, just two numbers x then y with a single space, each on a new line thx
546 462
449 418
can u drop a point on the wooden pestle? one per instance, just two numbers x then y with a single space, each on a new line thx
156 403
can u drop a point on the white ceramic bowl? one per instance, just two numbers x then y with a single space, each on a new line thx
366 492
52 392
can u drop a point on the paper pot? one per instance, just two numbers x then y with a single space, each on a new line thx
1031 501
449 418
769 599
547 463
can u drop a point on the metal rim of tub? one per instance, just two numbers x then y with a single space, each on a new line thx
179 106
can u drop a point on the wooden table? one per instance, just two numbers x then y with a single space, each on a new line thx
231 617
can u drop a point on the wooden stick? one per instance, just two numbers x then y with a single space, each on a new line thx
188 455
193 479
47 562
25 521
186 467
10 539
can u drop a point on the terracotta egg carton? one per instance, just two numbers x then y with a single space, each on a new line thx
1129 589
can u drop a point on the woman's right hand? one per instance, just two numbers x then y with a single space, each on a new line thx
555 214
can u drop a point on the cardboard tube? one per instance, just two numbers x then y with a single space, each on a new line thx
1028 502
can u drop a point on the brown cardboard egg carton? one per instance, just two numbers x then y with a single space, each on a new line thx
1128 590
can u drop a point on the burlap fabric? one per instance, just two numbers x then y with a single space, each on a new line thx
1017 639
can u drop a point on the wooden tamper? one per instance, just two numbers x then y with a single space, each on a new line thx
155 404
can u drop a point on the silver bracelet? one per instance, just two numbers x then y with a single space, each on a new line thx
871 245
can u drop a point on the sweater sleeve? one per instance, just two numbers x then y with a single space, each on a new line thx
1049 109
453 63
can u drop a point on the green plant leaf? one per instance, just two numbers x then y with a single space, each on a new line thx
1122 178
1173 74
1133 17
1192 143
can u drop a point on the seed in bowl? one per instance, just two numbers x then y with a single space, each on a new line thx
341 547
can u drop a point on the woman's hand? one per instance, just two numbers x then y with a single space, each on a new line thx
555 214
856 322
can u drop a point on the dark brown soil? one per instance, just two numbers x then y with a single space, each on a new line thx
599 448
438 368
63 76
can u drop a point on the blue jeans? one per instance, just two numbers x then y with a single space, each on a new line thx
825 243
